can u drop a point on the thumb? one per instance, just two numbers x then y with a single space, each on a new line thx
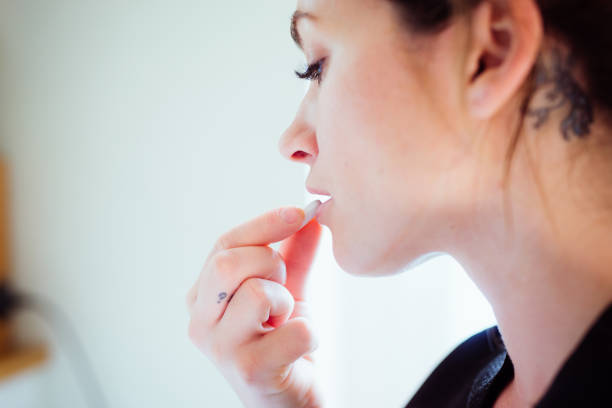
298 252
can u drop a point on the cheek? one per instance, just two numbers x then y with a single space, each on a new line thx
374 129
377 146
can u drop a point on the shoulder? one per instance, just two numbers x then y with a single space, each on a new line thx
451 381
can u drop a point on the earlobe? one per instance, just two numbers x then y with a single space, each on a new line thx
506 38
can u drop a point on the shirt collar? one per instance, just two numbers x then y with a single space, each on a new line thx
583 380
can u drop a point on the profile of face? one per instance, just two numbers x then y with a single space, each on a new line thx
386 132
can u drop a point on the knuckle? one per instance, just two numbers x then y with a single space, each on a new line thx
257 290
305 332
222 243
190 297
258 294
303 328
255 287
225 261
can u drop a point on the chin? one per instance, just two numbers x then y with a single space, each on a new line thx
349 263
354 264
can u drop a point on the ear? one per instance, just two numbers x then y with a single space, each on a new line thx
506 36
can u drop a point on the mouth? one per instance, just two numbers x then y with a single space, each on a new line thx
323 196
323 206
317 191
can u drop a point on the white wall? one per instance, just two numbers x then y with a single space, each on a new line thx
136 133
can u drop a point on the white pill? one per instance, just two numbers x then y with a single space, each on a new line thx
310 210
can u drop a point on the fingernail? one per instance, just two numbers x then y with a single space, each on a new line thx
290 215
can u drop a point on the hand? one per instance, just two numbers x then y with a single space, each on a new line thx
254 329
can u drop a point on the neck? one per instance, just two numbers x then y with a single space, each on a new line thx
542 321
547 279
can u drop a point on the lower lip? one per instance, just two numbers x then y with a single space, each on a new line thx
322 207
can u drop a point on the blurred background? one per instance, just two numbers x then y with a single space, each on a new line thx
133 134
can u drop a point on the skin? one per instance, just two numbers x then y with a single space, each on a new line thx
410 140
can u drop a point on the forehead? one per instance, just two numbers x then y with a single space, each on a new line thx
331 8
333 15
311 5
321 10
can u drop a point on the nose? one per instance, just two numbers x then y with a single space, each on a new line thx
298 142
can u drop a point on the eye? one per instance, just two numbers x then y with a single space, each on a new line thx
314 71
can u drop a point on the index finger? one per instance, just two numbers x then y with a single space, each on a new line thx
263 230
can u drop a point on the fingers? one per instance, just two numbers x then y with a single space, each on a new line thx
263 230
285 344
298 252
255 303
221 301
269 361
225 273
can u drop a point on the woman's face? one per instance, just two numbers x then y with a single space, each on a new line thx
383 134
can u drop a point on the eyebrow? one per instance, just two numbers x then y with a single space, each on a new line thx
297 14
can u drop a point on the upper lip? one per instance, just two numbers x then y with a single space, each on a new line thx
317 191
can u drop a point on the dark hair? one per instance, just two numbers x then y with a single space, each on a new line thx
583 26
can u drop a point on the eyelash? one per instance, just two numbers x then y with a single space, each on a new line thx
313 72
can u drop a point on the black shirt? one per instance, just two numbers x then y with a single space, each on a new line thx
475 373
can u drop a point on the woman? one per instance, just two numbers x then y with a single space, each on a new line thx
476 128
